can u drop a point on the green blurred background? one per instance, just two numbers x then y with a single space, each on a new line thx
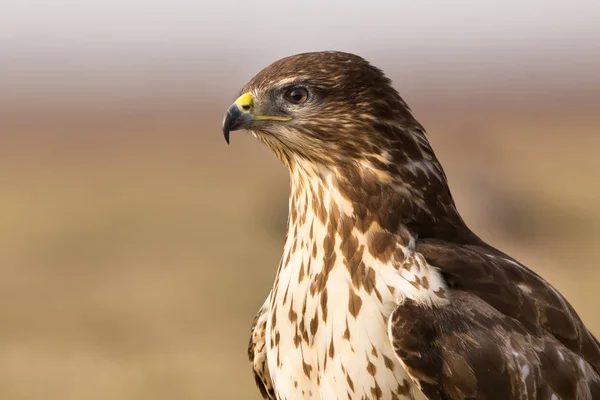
136 246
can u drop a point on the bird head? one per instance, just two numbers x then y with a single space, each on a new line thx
328 107
334 115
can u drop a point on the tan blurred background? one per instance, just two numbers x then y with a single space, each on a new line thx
136 246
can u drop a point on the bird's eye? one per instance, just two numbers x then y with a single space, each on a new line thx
297 95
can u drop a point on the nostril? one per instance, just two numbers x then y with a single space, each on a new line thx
246 107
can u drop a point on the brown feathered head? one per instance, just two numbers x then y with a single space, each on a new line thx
327 107
334 115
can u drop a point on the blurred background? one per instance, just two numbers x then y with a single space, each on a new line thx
136 246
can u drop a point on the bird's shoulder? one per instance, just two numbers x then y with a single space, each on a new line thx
504 328
512 289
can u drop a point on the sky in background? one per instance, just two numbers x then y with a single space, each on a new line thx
200 49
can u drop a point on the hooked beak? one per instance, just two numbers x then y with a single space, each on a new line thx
240 115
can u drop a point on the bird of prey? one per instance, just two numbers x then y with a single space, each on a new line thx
383 292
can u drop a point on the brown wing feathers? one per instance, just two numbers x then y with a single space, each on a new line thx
469 350
514 290
506 334
257 356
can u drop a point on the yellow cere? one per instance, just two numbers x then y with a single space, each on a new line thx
244 102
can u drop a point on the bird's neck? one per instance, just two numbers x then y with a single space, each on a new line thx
329 230
345 228
417 204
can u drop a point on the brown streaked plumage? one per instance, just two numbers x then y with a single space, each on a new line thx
383 292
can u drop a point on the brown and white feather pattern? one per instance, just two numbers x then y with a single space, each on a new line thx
335 289
383 292
257 352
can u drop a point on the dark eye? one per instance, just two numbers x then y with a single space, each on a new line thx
297 95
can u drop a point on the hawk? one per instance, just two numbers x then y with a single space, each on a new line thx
383 292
